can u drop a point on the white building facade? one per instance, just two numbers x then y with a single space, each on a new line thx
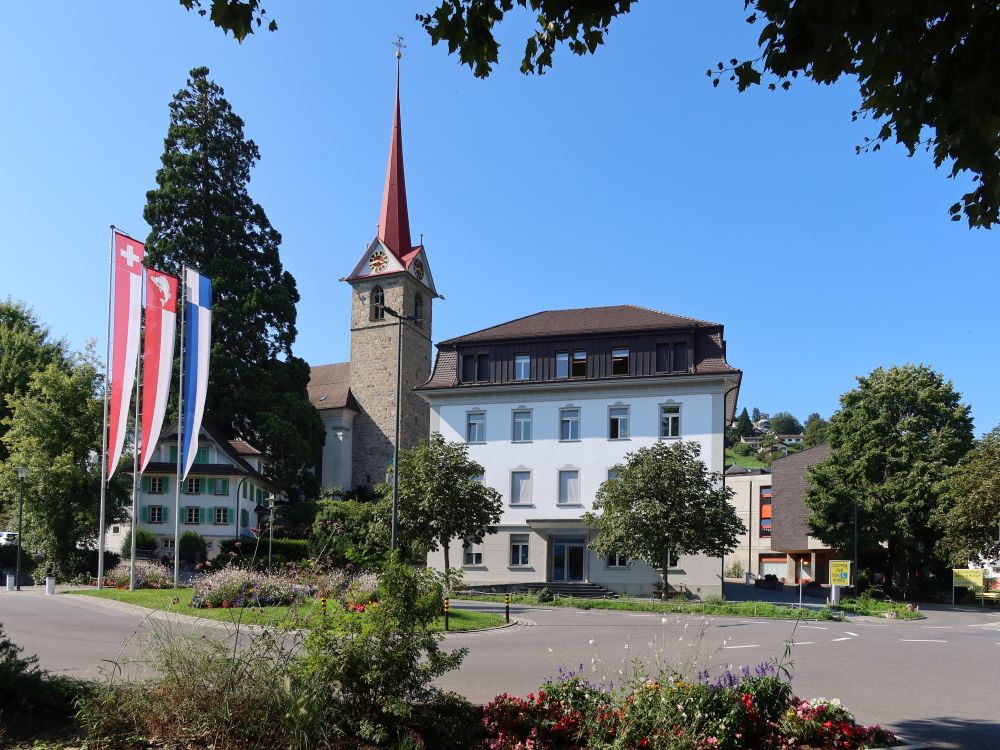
222 497
751 499
549 404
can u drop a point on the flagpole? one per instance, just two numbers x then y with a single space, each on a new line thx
104 429
180 433
135 450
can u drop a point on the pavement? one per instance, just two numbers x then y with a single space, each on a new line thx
933 681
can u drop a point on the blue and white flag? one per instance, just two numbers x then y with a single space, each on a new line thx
198 346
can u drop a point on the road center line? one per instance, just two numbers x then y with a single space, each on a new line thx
840 639
803 643
938 627
922 640
750 645
850 633
814 627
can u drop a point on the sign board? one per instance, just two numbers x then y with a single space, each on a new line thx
967 578
840 572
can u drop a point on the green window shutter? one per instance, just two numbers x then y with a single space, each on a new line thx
223 486
210 486
229 515
245 489
173 454
166 487
201 457
244 518
144 514
165 513
145 487
206 515
184 513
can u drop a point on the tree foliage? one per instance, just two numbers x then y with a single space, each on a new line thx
785 423
54 431
893 441
744 427
241 17
344 532
441 496
663 502
25 349
970 516
201 215
816 429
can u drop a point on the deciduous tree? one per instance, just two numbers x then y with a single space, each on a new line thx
785 423
202 215
442 497
816 429
894 440
663 502
970 516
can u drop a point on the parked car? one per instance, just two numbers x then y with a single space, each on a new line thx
8 538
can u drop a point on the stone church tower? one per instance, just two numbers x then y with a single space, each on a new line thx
392 279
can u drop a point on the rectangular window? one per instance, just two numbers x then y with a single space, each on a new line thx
663 357
520 487
244 518
483 368
619 361
522 367
617 560
765 527
168 543
475 427
680 363
670 421
221 486
468 369
612 475
156 486
562 364
521 428
569 487
579 364
765 511
156 514
193 486
221 515
518 549
618 423
245 489
473 553
569 424
192 514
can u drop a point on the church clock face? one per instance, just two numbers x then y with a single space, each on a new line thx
378 262
418 268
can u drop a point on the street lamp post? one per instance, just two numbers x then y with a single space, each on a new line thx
395 443
21 474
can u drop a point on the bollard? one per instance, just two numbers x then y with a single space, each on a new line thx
506 604
323 606
446 613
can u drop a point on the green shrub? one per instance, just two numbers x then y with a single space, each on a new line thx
253 551
145 541
744 449
191 546
344 533
735 570
545 595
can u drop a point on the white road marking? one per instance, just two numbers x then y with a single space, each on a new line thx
750 645
937 627
803 643
840 639
922 640
850 633
814 627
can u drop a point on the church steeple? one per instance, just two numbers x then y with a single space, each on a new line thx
394 220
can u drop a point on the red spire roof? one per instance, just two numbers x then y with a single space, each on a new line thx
394 221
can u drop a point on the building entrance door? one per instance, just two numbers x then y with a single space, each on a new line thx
567 559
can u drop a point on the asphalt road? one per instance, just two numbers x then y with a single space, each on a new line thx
935 680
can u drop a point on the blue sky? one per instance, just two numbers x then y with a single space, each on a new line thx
619 178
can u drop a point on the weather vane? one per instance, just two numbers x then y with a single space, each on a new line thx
398 44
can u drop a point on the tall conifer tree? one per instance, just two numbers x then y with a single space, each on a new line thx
201 214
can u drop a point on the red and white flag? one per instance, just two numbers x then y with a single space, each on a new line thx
126 316
158 357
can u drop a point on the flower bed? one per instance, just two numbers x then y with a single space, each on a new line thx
148 575
240 587
744 710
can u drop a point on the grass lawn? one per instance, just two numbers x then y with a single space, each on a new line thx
748 462
301 615
737 609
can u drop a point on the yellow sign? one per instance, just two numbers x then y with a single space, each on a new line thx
967 577
840 572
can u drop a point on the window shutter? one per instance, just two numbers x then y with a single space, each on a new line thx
145 486
164 511
223 486
144 513
229 515
211 486
206 516
173 454
244 518
184 513
166 485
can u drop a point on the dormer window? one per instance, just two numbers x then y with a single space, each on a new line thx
522 367
619 361
579 369
376 304
672 357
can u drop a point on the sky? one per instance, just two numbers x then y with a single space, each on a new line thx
620 178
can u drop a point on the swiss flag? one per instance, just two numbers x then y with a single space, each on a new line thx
126 316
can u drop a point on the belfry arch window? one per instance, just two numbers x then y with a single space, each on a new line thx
418 309
376 310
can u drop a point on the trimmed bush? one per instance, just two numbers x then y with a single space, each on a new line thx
243 551
148 575
192 546
145 541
